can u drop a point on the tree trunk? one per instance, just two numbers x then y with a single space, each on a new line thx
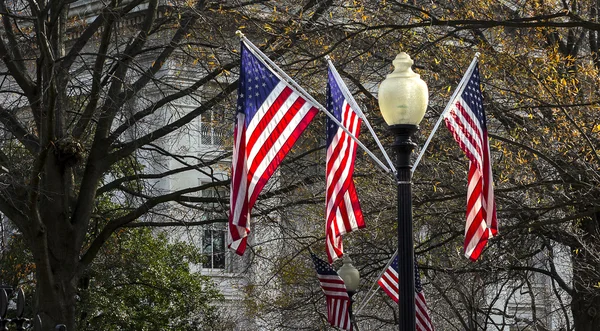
585 304
54 247
586 312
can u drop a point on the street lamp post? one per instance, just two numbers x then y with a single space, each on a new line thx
403 99
351 278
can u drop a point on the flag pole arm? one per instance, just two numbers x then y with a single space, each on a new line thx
305 94
360 113
371 292
459 89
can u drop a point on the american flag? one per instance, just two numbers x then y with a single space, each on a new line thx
466 120
338 301
343 213
271 115
389 284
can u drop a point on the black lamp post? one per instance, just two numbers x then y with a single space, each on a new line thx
403 99
351 278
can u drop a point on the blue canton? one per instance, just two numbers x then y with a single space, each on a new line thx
256 83
394 264
473 97
335 101
322 267
418 284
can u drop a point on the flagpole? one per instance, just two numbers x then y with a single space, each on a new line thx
371 292
460 87
357 109
288 79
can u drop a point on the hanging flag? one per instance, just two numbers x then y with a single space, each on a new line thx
343 213
389 284
423 321
466 120
338 301
389 280
271 115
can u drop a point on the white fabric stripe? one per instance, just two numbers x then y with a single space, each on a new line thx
332 278
337 224
350 212
234 244
335 293
241 198
333 285
274 150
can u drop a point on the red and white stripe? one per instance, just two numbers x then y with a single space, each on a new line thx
422 320
467 131
338 301
343 213
389 283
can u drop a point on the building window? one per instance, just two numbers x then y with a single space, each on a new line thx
212 128
213 235
213 247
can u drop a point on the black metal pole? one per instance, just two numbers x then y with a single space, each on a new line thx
404 146
352 320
